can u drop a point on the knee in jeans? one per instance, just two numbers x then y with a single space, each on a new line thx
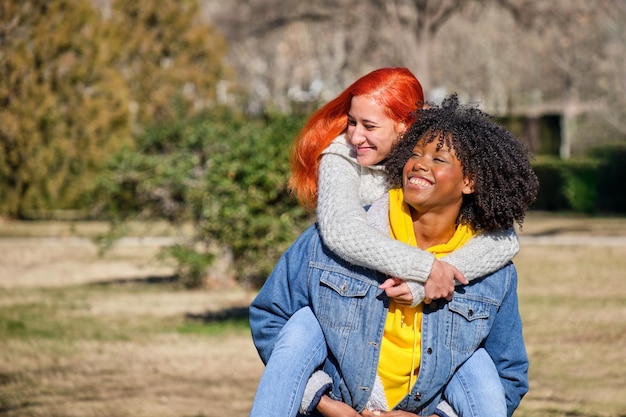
302 329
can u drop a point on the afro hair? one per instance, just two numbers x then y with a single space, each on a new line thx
504 181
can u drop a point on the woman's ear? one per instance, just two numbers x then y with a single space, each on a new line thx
401 128
468 185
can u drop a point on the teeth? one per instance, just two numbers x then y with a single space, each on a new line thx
419 181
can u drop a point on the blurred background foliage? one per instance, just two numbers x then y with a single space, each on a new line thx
77 82
184 110
223 174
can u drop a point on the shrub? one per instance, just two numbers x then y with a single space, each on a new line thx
566 185
580 185
78 80
551 196
62 108
611 177
225 175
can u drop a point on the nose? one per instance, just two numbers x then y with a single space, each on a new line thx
356 133
357 138
419 165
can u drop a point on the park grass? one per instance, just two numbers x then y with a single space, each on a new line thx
122 349
573 306
133 347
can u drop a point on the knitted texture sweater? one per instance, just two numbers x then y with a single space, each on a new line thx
345 188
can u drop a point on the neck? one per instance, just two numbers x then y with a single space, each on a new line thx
433 227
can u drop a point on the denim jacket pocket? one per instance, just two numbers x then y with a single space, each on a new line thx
340 300
468 323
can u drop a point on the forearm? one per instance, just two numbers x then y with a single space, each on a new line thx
346 231
371 249
333 408
484 254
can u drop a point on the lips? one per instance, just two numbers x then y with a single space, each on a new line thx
420 182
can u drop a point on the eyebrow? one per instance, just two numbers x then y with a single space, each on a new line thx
364 120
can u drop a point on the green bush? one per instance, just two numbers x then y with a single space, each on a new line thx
551 195
75 84
62 110
249 207
580 185
611 178
224 174
566 185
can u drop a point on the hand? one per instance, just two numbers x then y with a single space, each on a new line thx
440 282
333 408
395 413
398 290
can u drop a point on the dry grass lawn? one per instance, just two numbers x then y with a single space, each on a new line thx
87 336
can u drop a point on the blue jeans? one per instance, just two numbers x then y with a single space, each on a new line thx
299 350
474 390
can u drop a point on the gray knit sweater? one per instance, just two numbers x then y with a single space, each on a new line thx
345 187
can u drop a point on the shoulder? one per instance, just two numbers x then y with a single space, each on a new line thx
494 286
308 242
340 151
340 146
337 158
378 214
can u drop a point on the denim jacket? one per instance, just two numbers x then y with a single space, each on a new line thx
351 310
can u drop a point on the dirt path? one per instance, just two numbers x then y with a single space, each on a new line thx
57 261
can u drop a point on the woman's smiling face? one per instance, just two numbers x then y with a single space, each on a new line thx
433 177
371 131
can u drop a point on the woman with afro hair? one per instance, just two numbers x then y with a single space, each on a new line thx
454 174
495 161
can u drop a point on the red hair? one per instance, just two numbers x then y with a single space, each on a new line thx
396 89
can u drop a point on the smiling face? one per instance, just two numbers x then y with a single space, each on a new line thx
371 131
433 178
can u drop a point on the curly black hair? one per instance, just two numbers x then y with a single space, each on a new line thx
504 181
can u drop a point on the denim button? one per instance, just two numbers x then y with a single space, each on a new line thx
418 396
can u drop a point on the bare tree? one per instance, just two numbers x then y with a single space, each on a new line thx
558 58
422 20
524 57
286 53
580 51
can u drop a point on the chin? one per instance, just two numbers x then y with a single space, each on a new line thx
364 161
369 159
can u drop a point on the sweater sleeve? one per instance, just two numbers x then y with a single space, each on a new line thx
346 231
484 254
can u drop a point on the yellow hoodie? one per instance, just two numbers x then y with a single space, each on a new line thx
400 350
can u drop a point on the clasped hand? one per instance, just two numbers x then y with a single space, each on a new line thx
440 284
333 408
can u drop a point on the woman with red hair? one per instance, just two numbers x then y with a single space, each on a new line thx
395 89
337 169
